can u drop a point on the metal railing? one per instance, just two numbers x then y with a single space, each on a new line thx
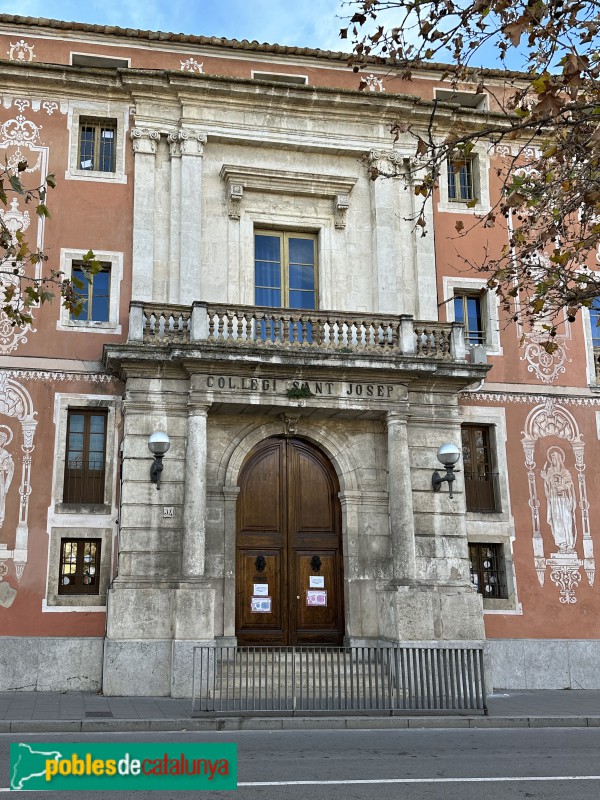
332 331
294 680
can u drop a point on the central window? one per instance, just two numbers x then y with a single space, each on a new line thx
285 270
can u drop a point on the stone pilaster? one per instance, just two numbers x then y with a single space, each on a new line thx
145 144
189 218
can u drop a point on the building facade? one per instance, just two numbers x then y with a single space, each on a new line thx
273 310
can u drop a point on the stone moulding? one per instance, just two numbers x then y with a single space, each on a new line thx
239 179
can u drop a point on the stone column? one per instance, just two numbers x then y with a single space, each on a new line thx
194 507
145 143
402 525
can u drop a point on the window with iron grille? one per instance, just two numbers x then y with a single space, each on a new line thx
85 457
97 143
460 180
468 309
480 479
487 570
94 291
79 571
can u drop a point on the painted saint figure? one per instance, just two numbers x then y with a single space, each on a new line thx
560 500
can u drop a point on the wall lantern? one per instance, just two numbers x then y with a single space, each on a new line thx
158 444
448 455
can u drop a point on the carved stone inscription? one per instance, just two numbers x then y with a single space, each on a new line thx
300 388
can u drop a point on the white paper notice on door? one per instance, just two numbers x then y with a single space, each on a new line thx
316 598
317 582
261 590
260 605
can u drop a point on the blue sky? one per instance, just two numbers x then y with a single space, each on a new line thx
307 23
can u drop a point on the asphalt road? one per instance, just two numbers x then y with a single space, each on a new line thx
549 764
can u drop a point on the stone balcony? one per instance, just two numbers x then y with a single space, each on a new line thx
238 328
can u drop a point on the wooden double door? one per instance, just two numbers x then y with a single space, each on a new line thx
289 582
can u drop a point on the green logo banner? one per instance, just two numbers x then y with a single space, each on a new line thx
118 767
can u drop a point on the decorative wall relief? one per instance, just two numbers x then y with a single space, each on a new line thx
567 507
16 404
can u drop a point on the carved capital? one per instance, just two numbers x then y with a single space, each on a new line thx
388 163
341 203
183 142
235 192
174 144
192 143
145 140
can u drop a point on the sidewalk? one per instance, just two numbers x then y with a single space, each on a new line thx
71 712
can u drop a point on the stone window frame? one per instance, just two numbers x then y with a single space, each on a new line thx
98 111
497 549
317 226
86 514
78 602
496 527
113 260
480 159
593 372
489 308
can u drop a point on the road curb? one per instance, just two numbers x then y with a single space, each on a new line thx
289 723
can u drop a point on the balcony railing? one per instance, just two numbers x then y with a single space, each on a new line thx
318 331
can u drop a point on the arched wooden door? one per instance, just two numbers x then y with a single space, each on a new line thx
289 583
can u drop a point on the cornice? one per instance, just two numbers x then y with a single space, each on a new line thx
287 182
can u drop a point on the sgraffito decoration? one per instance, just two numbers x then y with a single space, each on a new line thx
568 545
16 406
191 65
20 140
20 51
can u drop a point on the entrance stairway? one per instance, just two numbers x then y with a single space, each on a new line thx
300 679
